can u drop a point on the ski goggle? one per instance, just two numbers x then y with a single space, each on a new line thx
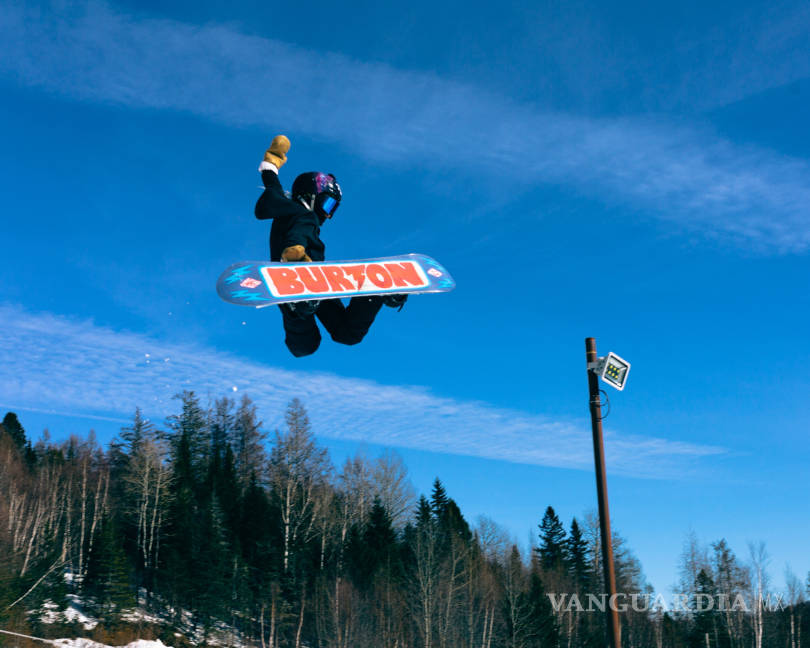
327 204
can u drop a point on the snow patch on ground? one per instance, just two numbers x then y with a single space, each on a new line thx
51 613
86 643
72 614
138 615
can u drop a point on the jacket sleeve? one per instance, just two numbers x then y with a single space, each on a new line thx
273 203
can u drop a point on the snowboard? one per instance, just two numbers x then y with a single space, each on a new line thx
265 283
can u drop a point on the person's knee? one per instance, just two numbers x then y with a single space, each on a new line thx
348 337
300 350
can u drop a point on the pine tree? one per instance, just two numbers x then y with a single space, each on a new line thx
248 441
371 550
221 425
577 559
384 572
704 615
190 428
257 521
541 626
228 494
134 435
213 590
183 570
552 549
260 538
379 535
730 580
453 534
438 499
14 429
109 572
424 515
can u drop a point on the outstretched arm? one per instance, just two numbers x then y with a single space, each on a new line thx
273 203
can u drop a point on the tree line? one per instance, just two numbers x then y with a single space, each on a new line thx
209 530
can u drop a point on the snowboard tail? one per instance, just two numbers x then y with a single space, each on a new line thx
265 283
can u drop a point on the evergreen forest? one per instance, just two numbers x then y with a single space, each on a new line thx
209 530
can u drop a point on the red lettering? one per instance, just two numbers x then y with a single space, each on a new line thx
337 282
313 279
285 281
358 273
404 274
379 276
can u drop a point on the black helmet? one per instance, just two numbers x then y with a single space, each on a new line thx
318 191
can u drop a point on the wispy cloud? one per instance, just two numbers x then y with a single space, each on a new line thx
51 363
685 175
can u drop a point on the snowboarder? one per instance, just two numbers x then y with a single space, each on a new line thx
295 236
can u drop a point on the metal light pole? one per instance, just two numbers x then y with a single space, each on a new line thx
613 626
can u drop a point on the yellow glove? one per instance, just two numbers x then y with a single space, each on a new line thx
295 253
277 153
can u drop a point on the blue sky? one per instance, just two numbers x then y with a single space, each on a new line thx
635 173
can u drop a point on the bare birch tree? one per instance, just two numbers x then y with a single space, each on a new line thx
759 560
516 607
425 582
298 469
694 559
393 487
795 601
147 479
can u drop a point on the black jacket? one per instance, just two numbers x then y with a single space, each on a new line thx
293 224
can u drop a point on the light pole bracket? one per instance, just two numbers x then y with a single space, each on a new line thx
597 365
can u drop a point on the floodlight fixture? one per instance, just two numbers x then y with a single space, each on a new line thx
611 369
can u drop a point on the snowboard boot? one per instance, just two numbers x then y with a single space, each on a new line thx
395 301
304 309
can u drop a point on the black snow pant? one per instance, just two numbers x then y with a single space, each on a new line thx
346 324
